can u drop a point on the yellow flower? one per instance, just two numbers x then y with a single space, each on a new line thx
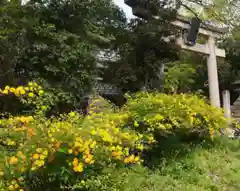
87 152
136 124
21 189
30 84
72 114
78 139
11 187
13 160
7 88
36 156
77 144
16 186
39 163
31 132
22 92
114 153
53 140
93 144
30 94
5 92
41 92
12 90
131 158
93 132
42 157
45 152
70 151
10 142
75 161
136 159
87 160
26 88
1 173
78 168
126 160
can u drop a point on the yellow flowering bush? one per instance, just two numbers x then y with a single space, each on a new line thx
72 142
161 112
38 153
66 149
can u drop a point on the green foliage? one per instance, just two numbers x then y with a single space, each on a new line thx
217 11
179 78
231 44
141 51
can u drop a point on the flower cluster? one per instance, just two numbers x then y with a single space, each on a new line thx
38 158
13 160
15 185
31 90
24 119
77 166
131 159
16 122
119 152
83 149
18 161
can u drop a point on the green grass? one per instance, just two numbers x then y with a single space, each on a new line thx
180 166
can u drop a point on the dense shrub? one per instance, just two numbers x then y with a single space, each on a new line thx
154 112
61 153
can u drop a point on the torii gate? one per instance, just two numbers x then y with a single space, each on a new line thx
209 48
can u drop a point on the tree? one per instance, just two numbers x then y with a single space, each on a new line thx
215 11
141 51
56 42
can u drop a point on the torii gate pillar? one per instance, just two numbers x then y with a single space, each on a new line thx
213 74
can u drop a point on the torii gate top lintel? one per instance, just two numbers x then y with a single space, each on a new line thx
217 31
180 21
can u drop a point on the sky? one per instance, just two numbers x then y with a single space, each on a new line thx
126 9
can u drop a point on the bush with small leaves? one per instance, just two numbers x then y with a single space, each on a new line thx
156 112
